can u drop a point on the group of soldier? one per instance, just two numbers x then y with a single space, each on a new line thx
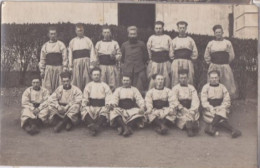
85 83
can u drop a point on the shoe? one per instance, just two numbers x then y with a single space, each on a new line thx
190 133
236 133
210 130
92 129
58 127
120 130
127 132
69 126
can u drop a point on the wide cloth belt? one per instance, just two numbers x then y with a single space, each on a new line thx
185 103
160 56
106 60
159 104
97 102
215 102
54 59
220 57
183 53
126 103
63 104
81 53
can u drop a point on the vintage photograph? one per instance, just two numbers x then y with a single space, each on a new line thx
111 84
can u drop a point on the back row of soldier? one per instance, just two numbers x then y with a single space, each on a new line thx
95 72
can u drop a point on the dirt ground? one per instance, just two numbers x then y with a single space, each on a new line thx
144 148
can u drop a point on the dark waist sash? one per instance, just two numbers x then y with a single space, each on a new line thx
54 59
186 103
159 104
106 60
81 53
160 56
36 105
183 54
215 102
126 103
97 102
62 104
220 57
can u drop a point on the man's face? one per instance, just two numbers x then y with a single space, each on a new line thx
218 33
182 29
126 81
96 76
159 80
66 82
36 84
158 29
79 31
106 34
213 79
132 34
53 35
183 79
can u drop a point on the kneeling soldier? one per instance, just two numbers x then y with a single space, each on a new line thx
34 106
128 107
95 104
65 104
216 102
159 104
186 102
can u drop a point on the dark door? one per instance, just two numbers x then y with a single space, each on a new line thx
140 15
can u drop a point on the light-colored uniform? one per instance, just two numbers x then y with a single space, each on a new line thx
110 74
81 56
219 54
125 99
217 99
61 97
98 95
53 60
187 97
30 100
159 47
184 51
159 103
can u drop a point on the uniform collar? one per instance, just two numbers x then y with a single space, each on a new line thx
214 85
184 85
37 89
182 36
67 88
107 40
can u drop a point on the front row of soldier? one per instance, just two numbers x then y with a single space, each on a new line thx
125 108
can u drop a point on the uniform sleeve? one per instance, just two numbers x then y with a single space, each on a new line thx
85 97
173 46
149 47
195 102
149 101
171 99
226 99
44 103
118 52
194 50
42 63
93 55
65 60
207 57
204 97
170 47
97 48
115 97
145 53
174 98
70 55
54 98
26 103
230 51
123 53
108 94
139 99
77 96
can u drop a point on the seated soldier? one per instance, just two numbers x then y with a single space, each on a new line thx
216 102
95 104
159 104
186 103
34 106
65 104
128 108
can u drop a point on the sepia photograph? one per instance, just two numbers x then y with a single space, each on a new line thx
129 84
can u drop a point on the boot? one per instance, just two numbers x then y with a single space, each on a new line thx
69 126
195 127
127 131
61 124
210 130
161 127
189 128
234 133
93 129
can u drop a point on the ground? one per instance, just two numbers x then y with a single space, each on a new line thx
144 148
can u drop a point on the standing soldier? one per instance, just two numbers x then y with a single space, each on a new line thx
134 59
184 50
65 104
186 103
53 61
159 47
216 102
95 103
82 58
34 106
109 55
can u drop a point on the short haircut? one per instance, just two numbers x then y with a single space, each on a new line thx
80 26
52 28
214 71
105 27
183 72
155 75
65 74
217 27
36 76
159 23
95 69
127 75
182 23
132 28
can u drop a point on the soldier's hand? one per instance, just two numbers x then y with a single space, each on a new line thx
36 111
180 107
60 109
141 111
